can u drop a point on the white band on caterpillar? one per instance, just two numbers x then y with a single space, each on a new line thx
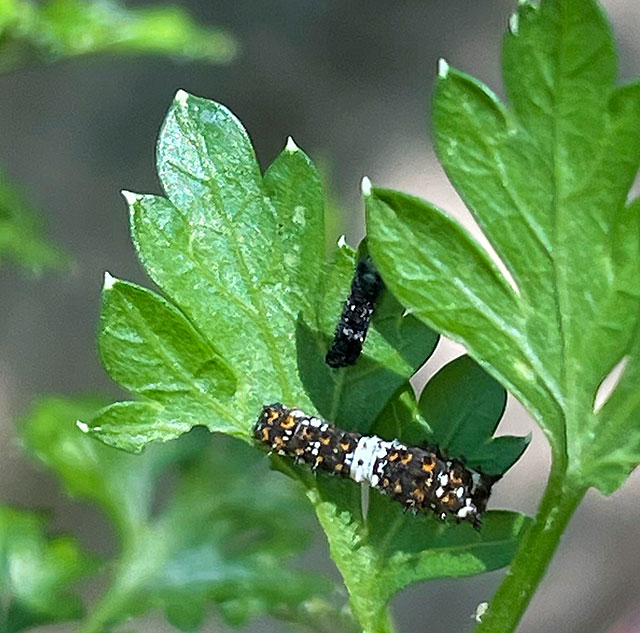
368 451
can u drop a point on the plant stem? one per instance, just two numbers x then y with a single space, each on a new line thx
389 625
382 622
110 605
134 565
559 502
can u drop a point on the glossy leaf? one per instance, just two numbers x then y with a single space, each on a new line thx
155 352
239 257
546 177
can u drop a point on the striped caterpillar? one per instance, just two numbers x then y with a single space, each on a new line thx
421 479
356 315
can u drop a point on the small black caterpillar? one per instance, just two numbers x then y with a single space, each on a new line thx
356 315
419 478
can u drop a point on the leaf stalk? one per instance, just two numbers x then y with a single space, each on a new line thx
537 547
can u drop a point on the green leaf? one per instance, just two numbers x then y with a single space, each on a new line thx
547 180
156 353
45 32
462 405
396 346
221 536
240 258
189 367
451 283
37 572
294 186
393 549
238 272
388 549
21 239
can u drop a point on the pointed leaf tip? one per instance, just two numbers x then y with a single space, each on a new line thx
130 197
181 97
443 68
291 145
366 187
109 280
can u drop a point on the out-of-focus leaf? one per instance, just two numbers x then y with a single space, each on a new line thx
44 32
222 533
36 572
21 238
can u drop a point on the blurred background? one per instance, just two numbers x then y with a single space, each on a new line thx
351 82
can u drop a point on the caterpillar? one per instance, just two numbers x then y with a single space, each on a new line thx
356 315
421 479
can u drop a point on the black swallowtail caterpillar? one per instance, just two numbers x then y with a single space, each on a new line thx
421 479
356 315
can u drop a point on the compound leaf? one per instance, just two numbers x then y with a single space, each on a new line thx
547 178
386 549
239 257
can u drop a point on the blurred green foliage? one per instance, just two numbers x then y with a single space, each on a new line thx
199 522
43 32
21 239
35 32
36 571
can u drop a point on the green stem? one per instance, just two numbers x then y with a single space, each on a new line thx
130 572
387 625
379 622
106 611
559 502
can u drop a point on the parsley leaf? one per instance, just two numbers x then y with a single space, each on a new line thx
251 307
547 180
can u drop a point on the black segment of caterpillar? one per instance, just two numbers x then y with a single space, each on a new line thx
357 311
421 479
